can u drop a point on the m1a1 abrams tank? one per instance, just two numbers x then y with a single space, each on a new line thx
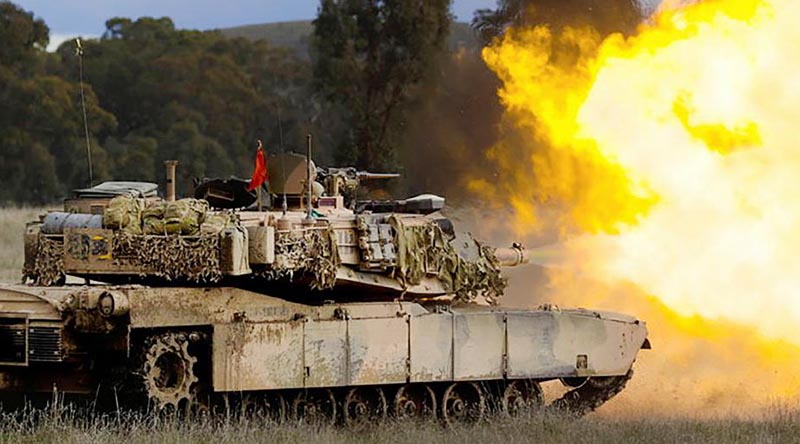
317 305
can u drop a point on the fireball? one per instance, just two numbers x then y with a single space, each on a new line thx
673 155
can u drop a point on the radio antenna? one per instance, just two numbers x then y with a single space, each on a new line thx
284 205
309 210
79 53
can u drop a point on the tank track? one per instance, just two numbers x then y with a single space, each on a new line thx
590 395
577 402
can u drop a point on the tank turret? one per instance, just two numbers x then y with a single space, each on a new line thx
319 238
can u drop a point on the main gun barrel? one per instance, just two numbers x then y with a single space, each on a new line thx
512 257
364 175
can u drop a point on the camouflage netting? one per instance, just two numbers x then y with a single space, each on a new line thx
424 249
195 259
161 251
314 251
46 267
143 240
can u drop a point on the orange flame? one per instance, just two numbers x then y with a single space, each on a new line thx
673 154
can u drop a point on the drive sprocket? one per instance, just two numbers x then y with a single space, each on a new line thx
169 371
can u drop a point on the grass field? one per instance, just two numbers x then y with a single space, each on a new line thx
70 427
12 228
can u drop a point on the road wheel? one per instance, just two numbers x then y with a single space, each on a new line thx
316 407
258 406
521 397
364 406
415 401
463 403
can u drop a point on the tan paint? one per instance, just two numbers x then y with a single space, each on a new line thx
171 165
264 343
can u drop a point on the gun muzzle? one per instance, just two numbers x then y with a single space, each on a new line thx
363 175
511 257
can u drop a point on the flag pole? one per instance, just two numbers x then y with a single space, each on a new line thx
309 210
258 190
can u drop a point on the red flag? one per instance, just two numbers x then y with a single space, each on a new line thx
259 170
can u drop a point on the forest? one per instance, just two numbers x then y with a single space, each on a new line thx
379 88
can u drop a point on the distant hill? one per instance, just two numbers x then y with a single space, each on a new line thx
296 35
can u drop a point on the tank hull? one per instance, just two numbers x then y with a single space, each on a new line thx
75 339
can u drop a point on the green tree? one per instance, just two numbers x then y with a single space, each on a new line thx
370 58
153 92
22 35
41 127
606 16
197 97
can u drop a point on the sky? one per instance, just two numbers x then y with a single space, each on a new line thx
87 17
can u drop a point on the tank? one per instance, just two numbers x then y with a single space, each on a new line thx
295 300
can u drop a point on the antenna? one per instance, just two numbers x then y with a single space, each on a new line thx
309 210
79 53
284 205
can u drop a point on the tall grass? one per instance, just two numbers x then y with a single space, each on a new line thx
12 228
67 425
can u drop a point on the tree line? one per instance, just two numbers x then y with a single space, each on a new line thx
379 91
152 93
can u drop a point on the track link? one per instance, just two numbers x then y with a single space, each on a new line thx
589 396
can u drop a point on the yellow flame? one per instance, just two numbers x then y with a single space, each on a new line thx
674 154
698 367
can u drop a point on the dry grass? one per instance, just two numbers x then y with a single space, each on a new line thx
68 427
12 228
